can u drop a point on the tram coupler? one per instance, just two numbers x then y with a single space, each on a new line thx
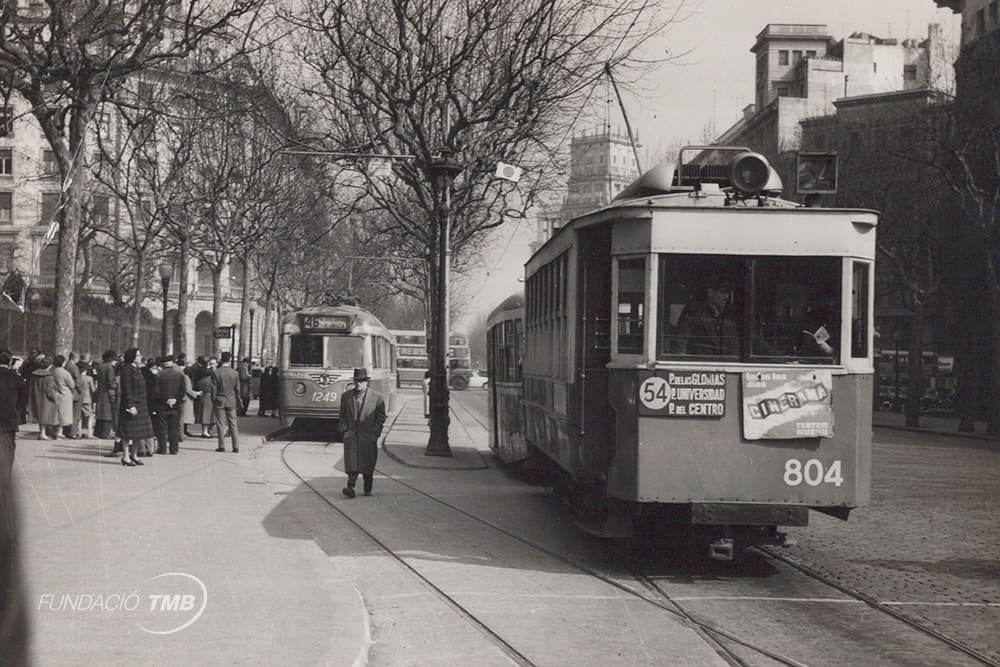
722 549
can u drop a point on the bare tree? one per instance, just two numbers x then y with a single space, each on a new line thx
457 88
64 56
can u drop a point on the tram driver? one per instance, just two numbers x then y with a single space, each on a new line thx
708 325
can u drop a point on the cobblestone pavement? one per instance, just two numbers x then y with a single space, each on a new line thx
927 544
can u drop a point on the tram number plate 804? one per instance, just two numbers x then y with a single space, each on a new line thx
812 473
324 397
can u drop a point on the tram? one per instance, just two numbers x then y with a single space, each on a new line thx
697 357
504 346
319 349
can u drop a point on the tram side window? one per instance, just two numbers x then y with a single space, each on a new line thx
305 350
631 302
859 310
774 309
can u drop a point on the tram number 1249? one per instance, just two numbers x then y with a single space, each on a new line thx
812 473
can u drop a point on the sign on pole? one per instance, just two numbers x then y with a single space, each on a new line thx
224 332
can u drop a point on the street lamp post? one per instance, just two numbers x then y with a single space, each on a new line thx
166 271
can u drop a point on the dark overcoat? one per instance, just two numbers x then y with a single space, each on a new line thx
43 411
361 430
204 407
132 392
106 398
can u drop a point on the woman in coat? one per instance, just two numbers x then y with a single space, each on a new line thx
190 396
205 405
65 393
134 425
268 392
43 410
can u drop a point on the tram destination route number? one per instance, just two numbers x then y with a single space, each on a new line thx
325 322
696 394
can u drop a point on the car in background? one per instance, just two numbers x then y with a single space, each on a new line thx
478 379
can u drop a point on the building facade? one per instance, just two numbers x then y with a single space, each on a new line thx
601 164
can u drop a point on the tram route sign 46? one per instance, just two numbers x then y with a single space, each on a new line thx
682 394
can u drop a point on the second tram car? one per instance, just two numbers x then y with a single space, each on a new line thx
697 357
319 349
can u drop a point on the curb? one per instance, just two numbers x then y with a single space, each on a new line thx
483 463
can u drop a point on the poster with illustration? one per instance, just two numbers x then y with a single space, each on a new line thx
782 404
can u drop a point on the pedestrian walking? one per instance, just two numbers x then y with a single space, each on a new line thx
85 387
169 394
134 425
13 397
225 392
268 399
362 416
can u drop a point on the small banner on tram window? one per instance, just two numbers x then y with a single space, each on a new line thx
782 405
682 394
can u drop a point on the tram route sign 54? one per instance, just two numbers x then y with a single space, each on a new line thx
684 394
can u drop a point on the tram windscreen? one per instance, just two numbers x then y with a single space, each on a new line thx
326 351
771 309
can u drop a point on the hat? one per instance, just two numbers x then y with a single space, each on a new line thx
360 374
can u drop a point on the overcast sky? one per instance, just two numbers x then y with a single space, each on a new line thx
709 87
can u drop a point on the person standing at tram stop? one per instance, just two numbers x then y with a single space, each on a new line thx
169 392
362 416
243 371
225 390
134 425
13 399
707 326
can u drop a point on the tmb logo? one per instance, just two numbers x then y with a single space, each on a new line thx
174 602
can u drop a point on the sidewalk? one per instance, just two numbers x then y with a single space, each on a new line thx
407 431
931 425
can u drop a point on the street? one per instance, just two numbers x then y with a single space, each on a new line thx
477 564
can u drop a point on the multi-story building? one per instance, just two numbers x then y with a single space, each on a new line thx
601 165
801 71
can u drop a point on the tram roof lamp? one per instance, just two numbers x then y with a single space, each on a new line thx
749 173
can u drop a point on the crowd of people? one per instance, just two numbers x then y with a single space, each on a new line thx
148 406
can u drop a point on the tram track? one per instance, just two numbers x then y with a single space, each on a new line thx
714 635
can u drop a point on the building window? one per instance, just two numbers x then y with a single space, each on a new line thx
6 208
782 90
810 54
993 12
6 257
6 122
782 57
50 205
796 57
6 161
909 72
49 164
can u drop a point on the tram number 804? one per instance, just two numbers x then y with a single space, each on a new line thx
812 473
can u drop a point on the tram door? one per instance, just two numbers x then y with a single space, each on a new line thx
594 418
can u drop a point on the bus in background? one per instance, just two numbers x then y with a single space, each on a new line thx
412 360
411 357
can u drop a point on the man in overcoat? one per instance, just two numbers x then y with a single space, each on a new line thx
13 398
362 415
169 391
226 388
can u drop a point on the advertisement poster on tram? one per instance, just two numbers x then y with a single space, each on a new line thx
780 405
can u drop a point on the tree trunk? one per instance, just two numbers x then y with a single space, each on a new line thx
915 374
182 296
244 349
216 308
69 236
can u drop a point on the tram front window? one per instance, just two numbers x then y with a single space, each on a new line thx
326 351
753 309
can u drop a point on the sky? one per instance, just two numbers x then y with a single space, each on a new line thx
707 86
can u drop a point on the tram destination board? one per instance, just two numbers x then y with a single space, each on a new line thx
338 323
697 394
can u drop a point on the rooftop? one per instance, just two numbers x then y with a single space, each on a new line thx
804 31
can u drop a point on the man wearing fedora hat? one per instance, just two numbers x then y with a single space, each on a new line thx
362 415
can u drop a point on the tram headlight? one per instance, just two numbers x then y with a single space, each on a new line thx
749 173
299 389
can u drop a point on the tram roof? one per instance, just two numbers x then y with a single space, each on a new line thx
513 302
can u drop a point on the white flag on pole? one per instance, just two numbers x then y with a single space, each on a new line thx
508 172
